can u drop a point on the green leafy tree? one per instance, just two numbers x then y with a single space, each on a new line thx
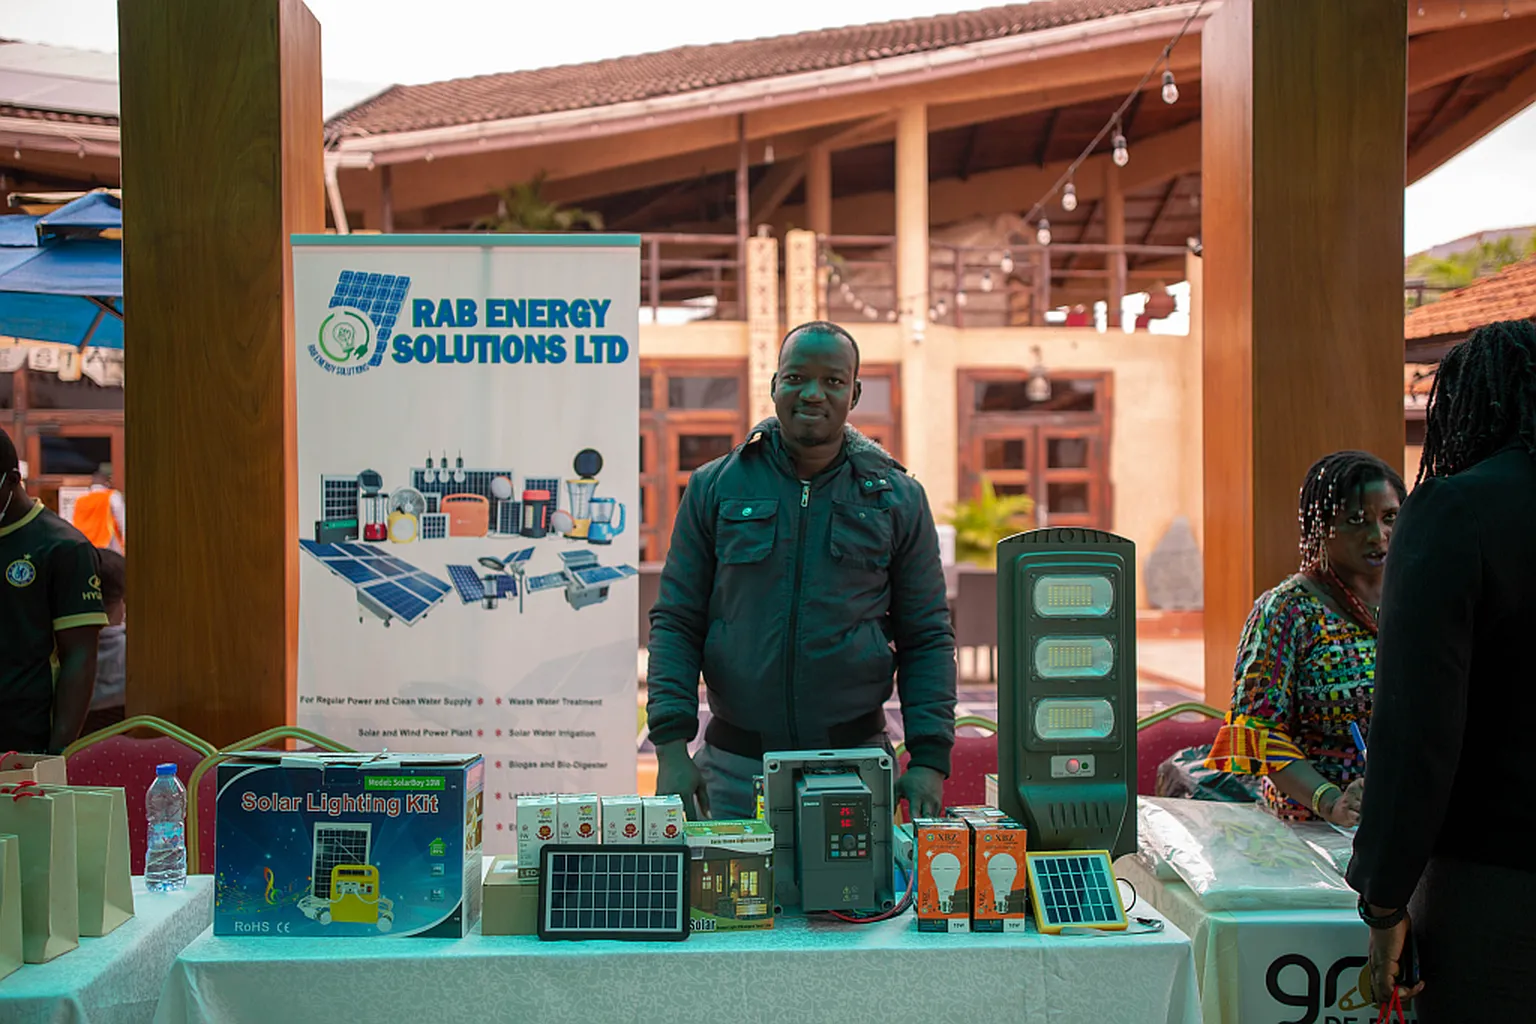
980 523
1462 268
523 208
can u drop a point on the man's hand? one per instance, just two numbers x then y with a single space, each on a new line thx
677 774
1385 950
1344 811
923 790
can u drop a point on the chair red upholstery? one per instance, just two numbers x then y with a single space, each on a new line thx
970 762
129 763
1161 739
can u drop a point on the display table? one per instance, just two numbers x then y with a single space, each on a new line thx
800 971
117 978
1260 962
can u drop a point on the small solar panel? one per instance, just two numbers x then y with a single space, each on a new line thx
383 566
468 583
586 892
378 295
1074 890
543 483
600 574
627 570
548 581
322 551
578 559
357 550
338 497
353 571
509 517
421 585
517 557
397 601
506 586
434 525
337 843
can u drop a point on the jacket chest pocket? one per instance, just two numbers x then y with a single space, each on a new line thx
745 529
861 536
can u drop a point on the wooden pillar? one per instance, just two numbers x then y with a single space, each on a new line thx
912 275
1114 234
221 143
818 211
743 213
386 200
1303 135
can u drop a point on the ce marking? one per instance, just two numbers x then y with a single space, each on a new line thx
282 928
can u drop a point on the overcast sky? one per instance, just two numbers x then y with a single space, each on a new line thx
368 44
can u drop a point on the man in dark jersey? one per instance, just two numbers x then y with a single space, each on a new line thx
50 614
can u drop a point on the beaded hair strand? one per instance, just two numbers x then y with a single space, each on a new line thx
1327 490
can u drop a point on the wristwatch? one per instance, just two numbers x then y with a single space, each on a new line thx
1382 923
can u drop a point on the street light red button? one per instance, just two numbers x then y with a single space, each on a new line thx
1073 767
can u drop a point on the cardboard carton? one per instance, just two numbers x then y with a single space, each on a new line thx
663 818
511 901
623 823
943 875
730 875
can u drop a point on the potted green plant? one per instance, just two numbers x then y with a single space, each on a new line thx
523 208
983 521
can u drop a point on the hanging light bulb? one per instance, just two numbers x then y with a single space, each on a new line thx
1170 90
942 308
459 476
1069 197
1043 232
1122 155
891 316
768 153
858 304
16 154
1463 13
960 299
871 312
1038 388
986 280
1007 263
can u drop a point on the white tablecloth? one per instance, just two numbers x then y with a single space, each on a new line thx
117 978
799 972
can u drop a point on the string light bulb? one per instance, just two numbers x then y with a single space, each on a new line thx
1069 197
891 316
986 280
942 308
960 299
1007 263
871 312
1170 88
1043 232
1121 155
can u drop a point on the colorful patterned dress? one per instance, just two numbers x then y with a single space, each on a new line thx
1304 672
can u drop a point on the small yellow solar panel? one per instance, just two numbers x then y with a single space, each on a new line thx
1074 890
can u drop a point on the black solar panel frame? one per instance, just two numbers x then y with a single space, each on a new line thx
675 853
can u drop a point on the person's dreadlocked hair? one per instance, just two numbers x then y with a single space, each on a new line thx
1328 488
1483 398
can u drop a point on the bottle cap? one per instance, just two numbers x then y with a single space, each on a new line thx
165 769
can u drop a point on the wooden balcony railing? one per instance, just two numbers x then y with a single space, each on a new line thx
691 276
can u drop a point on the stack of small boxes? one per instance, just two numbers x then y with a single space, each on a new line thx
512 887
970 871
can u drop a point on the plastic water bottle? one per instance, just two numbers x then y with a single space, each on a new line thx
165 862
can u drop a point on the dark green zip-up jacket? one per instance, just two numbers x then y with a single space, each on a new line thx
803 603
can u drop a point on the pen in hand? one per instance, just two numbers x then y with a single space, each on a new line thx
1354 731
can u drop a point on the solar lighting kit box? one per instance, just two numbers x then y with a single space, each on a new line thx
730 875
943 867
352 844
511 901
999 889
623 822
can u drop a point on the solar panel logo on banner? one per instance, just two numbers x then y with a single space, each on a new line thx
355 334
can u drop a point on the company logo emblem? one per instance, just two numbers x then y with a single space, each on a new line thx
21 572
361 316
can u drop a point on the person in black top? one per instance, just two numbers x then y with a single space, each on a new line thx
50 614
1442 860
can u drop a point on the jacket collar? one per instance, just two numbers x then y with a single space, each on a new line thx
872 465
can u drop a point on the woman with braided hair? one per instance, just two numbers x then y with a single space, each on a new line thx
1448 822
1306 663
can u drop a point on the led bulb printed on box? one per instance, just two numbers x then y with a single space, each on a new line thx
578 819
943 866
623 823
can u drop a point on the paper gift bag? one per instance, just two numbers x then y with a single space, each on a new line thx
50 877
10 904
101 856
45 768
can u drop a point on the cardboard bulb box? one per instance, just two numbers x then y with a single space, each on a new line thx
537 826
1001 882
730 875
943 866
622 821
354 845
577 814
511 901
663 819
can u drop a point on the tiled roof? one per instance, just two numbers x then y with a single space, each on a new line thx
62 117
689 68
1508 295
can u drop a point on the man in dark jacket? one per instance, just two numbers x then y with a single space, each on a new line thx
803 576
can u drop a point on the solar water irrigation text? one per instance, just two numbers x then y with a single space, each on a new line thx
546 316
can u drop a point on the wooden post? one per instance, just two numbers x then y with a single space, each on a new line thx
1114 234
386 199
1303 126
743 215
222 155
818 213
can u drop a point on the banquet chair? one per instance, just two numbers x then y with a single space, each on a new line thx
1160 736
203 786
970 762
110 757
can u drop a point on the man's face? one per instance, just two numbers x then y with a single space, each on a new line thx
815 387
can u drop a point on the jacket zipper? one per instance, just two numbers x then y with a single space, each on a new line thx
794 618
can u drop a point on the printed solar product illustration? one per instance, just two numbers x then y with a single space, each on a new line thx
509 518
338 843
586 892
589 581
338 496
378 295
386 587
434 526
1074 890
439 479
496 579
548 581
344 887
